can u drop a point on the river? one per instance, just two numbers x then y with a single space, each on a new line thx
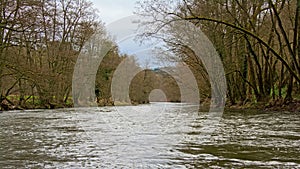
158 135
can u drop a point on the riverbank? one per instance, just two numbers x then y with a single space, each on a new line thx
275 106
7 105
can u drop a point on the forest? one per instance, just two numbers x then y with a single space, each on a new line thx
258 42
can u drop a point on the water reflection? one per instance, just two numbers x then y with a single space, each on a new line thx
106 138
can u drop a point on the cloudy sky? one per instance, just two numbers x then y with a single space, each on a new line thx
112 10
114 13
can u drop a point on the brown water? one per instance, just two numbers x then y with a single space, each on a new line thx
168 137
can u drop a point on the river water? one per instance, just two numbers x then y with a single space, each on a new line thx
158 135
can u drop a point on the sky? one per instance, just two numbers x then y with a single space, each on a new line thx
112 13
112 10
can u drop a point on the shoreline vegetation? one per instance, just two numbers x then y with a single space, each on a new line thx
272 106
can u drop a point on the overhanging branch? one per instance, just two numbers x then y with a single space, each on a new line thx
197 18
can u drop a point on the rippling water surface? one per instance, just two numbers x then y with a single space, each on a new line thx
147 136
